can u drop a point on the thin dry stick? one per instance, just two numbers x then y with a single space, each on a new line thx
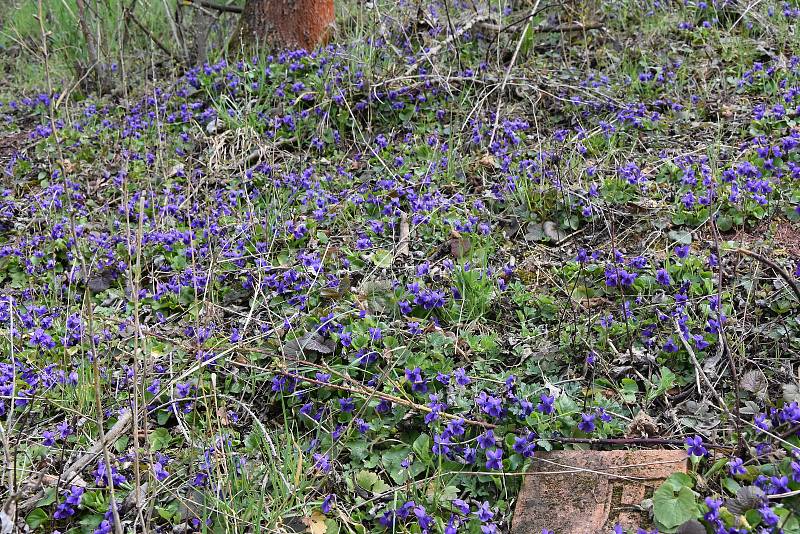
744 13
91 46
99 447
479 17
367 391
152 37
724 343
508 72
774 266
403 245
633 441
95 363
10 468
174 27
558 28
699 370
138 367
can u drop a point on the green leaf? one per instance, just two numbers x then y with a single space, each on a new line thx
391 460
449 493
724 223
731 485
121 444
564 404
789 522
752 517
422 447
36 518
162 417
382 258
48 499
629 390
671 508
159 439
665 383
332 526
367 479
679 480
381 487
371 482
358 451
680 236
90 522
164 513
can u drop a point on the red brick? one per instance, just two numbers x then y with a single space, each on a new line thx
587 492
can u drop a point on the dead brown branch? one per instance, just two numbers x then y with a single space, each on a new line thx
225 8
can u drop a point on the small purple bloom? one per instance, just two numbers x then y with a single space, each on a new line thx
695 446
494 459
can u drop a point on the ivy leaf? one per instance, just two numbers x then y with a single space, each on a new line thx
671 508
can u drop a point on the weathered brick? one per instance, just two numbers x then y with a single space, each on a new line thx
586 492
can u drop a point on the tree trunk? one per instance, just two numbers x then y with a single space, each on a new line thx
96 64
286 23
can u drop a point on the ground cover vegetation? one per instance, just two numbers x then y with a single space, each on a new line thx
356 289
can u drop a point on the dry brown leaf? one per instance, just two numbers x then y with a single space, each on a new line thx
642 426
405 233
316 522
459 247
222 415
488 161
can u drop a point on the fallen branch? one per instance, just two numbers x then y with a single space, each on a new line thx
211 5
633 441
119 428
129 503
558 28
724 348
775 267
255 156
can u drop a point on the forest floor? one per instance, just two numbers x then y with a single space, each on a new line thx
357 290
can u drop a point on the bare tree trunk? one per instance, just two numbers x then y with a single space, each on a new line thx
286 23
97 65
201 26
